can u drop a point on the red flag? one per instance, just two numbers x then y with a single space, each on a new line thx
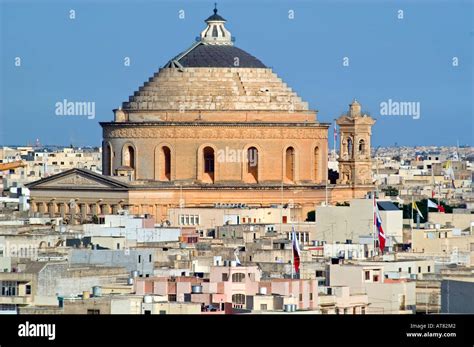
432 193
441 209
296 252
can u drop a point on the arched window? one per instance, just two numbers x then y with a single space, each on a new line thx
361 146
290 163
165 163
107 161
316 163
129 157
252 164
209 161
238 277
238 299
349 148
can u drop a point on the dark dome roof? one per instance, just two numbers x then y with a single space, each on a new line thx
203 55
215 17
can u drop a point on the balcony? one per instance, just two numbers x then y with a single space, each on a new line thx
16 300
326 300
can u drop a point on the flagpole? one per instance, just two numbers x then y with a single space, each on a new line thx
373 225
427 212
292 251
326 193
439 193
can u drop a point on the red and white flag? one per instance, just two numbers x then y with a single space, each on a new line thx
296 251
378 225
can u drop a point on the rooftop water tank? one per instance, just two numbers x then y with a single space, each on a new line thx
97 291
263 291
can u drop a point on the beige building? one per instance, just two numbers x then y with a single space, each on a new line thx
208 218
43 283
444 242
29 244
404 268
214 125
428 296
33 163
340 300
171 308
110 304
386 296
463 221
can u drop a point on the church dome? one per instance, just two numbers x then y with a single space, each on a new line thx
203 55
213 75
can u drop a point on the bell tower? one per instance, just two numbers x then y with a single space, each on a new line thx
355 130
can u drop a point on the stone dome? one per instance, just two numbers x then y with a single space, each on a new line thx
213 75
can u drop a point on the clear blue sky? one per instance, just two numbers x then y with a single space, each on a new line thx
82 60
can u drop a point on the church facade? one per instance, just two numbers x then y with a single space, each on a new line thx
213 126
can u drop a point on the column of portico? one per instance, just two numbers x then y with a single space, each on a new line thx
83 212
51 209
62 209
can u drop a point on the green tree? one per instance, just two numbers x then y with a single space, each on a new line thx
345 203
390 191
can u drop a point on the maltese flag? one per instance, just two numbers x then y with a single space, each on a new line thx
378 225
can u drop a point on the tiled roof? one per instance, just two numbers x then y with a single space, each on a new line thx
219 56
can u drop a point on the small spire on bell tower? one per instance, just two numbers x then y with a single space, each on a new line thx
354 109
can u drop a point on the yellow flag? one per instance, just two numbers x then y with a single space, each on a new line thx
415 207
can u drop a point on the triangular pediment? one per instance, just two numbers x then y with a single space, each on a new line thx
77 179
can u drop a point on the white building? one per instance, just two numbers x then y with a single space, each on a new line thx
342 223
133 229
